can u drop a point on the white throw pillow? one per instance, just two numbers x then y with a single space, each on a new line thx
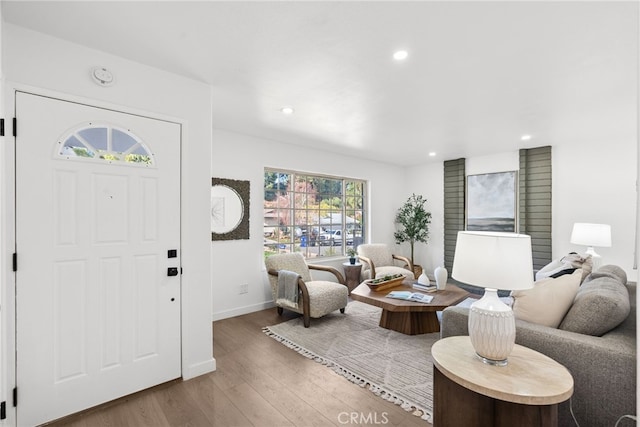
548 301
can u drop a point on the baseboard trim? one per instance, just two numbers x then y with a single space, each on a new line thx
198 369
241 310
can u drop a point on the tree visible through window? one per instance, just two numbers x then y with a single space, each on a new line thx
104 143
312 214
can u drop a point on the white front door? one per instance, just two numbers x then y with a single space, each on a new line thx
98 221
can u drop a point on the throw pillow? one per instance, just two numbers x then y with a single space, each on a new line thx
578 261
563 272
566 265
601 304
548 301
553 267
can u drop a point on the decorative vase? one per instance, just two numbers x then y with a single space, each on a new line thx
423 279
441 275
417 270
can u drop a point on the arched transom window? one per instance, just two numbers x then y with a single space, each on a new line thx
106 143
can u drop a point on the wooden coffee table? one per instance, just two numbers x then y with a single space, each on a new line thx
408 317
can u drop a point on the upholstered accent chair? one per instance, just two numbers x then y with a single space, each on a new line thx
378 261
316 298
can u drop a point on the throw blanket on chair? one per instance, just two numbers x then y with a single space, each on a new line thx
287 288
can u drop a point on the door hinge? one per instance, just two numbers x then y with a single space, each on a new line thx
15 261
1 127
15 127
3 410
15 397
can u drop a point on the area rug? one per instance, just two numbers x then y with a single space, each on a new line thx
395 366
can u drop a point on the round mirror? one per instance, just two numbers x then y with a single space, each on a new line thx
227 209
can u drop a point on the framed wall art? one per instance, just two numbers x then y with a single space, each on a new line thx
229 209
491 202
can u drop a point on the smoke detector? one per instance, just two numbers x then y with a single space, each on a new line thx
102 76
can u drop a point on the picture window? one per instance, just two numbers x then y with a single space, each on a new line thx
316 215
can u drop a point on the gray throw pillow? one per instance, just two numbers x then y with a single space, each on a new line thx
601 304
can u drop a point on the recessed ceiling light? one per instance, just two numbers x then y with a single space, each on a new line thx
286 110
400 55
525 137
432 154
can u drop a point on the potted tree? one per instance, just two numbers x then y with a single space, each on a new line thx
412 222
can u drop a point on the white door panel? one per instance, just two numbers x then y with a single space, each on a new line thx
97 315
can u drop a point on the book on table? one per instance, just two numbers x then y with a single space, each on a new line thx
426 288
410 296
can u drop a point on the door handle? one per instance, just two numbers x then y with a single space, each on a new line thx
172 271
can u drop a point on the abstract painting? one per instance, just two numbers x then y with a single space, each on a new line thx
491 202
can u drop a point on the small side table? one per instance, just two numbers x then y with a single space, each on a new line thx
352 274
468 392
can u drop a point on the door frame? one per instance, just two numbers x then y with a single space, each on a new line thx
8 224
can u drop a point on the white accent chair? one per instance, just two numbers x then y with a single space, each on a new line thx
378 261
316 298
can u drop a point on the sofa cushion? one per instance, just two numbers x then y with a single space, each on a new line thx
612 271
601 304
548 301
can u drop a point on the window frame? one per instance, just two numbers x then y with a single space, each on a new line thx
282 235
109 155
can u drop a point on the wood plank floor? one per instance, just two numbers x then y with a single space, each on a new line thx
258 382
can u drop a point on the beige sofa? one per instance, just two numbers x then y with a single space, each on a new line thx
603 365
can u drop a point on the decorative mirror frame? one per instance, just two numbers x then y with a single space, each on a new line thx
242 188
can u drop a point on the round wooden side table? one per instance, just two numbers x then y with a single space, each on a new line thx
352 274
469 392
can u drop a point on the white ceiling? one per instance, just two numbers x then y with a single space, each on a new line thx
478 76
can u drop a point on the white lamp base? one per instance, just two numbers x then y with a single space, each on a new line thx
596 259
492 328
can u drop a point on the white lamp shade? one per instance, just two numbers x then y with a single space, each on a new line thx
493 260
591 234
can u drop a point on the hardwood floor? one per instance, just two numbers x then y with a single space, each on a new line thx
258 382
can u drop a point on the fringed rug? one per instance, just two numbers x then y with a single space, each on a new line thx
395 366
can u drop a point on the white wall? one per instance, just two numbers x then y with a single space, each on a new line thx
590 183
53 66
428 181
596 183
244 157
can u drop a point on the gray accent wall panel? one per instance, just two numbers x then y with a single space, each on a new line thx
535 208
454 209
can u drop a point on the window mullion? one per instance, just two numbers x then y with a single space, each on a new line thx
85 142
314 208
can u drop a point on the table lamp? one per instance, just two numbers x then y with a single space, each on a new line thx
493 261
591 235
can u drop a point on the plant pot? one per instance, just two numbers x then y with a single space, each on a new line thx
352 261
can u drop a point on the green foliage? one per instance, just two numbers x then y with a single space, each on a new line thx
412 220
326 185
137 158
82 152
275 183
331 203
